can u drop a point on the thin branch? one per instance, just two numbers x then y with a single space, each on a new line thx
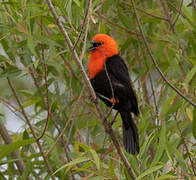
15 154
86 31
67 123
44 67
84 21
111 86
154 61
143 11
185 145
9 104
152 88
68 66
66 148
177 10
107 125
99 12
172 27
181 4
131 33
32 130
114 119
194 4
165 8
70 45
74 110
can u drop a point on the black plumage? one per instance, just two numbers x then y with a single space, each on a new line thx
117 76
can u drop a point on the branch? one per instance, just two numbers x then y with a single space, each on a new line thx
107 126
66 148
70 45
154 61
32 130
15 154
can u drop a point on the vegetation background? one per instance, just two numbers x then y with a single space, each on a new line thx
43 83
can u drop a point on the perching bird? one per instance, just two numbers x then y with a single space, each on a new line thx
110 79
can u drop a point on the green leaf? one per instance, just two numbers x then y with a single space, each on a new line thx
3 58
31 45
166 176
149 171
194 123
96 158
73 162
146 144
77 2
103 28
161 146
93 153
68 8
189 76
7 149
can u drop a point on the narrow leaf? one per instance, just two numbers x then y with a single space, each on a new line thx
7 149
73 162
96 158
149 171
166 176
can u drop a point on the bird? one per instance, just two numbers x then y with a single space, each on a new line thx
110 80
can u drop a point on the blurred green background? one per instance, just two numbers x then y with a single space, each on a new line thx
35 58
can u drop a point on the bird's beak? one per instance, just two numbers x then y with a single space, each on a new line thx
94 46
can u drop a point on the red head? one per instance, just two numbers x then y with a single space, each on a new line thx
103 47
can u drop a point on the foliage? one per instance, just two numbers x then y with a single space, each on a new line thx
37 60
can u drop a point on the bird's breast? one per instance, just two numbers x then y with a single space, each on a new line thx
95 66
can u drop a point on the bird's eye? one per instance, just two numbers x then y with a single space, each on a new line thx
95 45
100 43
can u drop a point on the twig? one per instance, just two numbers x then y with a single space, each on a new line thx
181 4
44 67
9 104
114 119
165 8
177 10
111 86
99 19
15 154
107 126
152 88
32 130
154 61
66 148
143 11
185 145
86 32
84 21
172 27
67 64
75 109
194 4
70 45
67 123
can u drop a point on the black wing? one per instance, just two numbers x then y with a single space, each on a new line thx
117 68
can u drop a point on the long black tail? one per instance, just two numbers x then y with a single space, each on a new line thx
130 134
